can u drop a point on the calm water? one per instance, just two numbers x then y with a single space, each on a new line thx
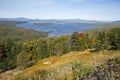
57 28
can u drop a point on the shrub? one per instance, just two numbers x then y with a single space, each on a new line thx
22 60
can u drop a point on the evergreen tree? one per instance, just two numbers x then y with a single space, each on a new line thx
51 44
74 42
87 42
81 44
43 48
30 48
58 49
1 50
8 54
114 38
102 41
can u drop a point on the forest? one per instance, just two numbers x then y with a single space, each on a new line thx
11 38
26 53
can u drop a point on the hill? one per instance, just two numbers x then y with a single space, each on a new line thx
15 19
9 30
66 57
11 39
102 26
68 66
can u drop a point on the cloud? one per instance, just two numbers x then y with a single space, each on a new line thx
25 3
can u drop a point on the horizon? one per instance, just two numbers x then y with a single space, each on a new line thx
100 10
57 19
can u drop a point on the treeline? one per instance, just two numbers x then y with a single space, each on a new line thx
11 23
108 40
27 53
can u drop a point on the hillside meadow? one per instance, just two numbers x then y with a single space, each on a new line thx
69 66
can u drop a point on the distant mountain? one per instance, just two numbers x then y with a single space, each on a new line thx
15 19
56 20
81 21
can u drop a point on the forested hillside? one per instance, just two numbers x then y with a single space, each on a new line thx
11 38
74 65
8 29
102 25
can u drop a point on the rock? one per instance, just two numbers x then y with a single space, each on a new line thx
110 70
46 62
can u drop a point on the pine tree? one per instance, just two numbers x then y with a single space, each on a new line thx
114 38
74 42
102 43
43 48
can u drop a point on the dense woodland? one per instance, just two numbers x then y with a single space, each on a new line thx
11 39
26 53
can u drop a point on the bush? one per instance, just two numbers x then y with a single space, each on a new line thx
22 60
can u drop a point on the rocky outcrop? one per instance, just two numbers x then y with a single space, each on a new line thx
108 71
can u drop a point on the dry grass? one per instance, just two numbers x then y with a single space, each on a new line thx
61 68
8 75
88 59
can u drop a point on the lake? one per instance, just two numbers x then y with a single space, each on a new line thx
57 28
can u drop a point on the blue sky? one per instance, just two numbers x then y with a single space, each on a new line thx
61 9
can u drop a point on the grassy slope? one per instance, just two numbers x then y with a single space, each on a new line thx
9 30
61 67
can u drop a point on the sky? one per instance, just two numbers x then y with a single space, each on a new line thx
61 9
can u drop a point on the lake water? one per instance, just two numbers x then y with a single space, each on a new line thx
57 28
